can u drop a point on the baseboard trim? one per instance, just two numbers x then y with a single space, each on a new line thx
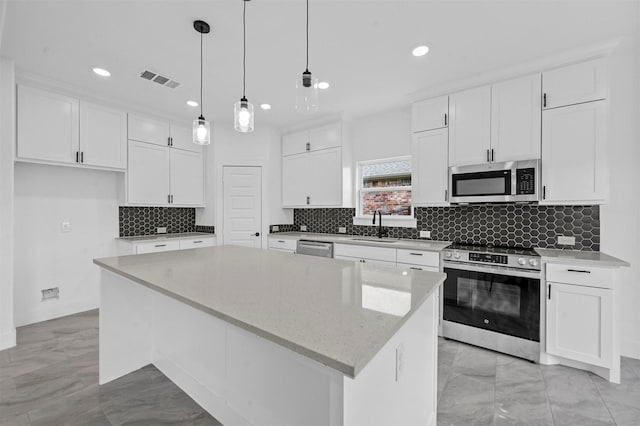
630 348
55 311
8 339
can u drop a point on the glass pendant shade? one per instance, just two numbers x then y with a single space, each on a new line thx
307 93
201 131
243 116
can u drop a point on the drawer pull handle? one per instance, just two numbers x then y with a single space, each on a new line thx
579 270
197 242
417 269
281 241
161 245
415 254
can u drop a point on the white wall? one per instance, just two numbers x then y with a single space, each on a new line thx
230 148
46 196
7 138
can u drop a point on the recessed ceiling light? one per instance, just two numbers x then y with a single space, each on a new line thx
102 72
265 106
192 103
323 85
420 51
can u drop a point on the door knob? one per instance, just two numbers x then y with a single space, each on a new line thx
257 234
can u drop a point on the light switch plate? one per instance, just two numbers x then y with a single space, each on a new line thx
66 227
161 230
425 234
303 228
566 241
342 230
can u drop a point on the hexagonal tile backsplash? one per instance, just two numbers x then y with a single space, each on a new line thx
524 225
144 220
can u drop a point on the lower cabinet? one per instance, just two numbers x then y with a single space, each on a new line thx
402 258
282 244
156 247
168 245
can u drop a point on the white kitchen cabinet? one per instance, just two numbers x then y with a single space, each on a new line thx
149 130
328 136
418 257
515 119
157 246
325 177
369 261
470 126
430 114
148 175
295 143
197 243
574 84
429 176
187 177
182 138
295 180
367 253
282 244
47 126
103 136
574 167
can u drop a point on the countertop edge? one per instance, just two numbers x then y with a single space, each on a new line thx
161 237
346 239
555 256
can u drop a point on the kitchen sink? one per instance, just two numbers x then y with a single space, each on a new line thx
374 240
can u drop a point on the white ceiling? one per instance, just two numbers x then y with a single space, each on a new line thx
363 48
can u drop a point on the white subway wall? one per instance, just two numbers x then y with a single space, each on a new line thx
46 196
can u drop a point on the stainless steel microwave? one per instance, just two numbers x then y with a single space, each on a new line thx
512 181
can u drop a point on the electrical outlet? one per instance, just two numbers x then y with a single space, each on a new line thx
425 234
275 228
161 230
66 227
342 230
303 228
399 361
566 241
50 293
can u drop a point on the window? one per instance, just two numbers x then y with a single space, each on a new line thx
385 185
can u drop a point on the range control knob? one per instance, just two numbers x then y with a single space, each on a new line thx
533 262
522 261
447 255
456 255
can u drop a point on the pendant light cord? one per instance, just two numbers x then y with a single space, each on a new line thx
201 107
244 48
307 35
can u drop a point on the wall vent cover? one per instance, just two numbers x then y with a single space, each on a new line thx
160 79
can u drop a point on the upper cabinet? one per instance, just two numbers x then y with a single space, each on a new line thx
58 129
470 127
295 143
159 132
429 177
574 84
182 138
430 114
324 137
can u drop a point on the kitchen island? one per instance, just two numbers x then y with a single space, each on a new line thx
269 338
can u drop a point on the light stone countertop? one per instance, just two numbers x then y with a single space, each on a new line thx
575 257
427 245
160 237
339 313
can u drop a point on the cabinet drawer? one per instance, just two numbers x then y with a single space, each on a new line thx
581 275
282 244
196 243
365 252
157 246
417 257
418 267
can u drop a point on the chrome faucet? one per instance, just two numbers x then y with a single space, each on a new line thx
381 232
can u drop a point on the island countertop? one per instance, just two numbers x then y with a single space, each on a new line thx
338 313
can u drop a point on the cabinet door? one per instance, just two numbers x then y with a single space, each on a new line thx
295 182
182 138
324 137
429 176
325 177
148 174
148 130
187 177
47 126
574 84
515 119
580 323
295 143
103 136
430 114
470 127
573 154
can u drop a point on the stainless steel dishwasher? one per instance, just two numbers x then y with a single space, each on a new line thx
315 248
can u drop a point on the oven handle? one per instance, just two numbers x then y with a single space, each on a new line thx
491 270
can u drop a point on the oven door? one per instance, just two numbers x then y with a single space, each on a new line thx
493 298
477 184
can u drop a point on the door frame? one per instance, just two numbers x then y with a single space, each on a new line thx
220 205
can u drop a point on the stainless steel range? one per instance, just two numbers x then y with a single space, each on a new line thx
492 298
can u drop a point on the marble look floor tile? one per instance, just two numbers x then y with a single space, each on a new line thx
632 364
471 360
14 420
467 400
79 408
81 343
446 355
31 357
623 400
574 398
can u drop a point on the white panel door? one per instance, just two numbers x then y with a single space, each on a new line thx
148 174
242 187
295 182
324 137
574 84
580 323
182 138
574 154
429 176
470 126
144 129
325 177
187 177
295 143
103 136
430 114
47 126
515 119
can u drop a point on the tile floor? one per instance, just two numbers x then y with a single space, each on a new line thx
51 378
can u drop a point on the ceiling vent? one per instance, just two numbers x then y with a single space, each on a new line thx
160 79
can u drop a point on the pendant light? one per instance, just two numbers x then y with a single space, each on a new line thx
243 109
201 127
307 86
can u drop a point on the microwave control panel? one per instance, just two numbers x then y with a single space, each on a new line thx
526 181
